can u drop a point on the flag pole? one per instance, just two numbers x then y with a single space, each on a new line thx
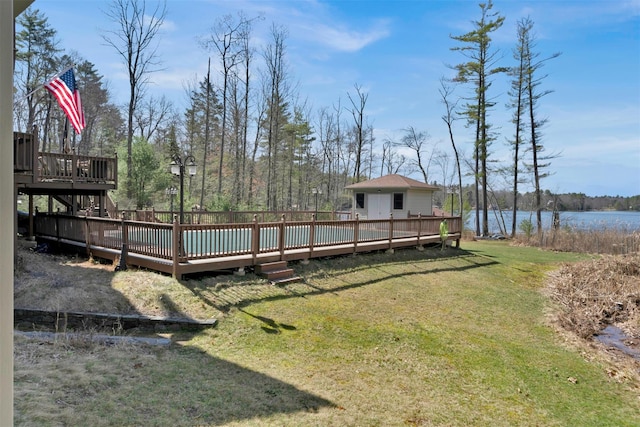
65 136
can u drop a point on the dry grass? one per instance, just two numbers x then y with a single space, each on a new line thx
603 241
599 292
593 294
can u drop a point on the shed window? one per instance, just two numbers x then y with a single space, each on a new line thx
360 200
398 201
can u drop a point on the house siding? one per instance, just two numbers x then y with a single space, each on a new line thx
414 202
419 202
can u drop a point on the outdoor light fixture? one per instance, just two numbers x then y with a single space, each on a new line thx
316 191
454 192
175 168
178 167
191 167
170 192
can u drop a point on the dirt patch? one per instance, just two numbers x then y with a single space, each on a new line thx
61 282
66 283
593 295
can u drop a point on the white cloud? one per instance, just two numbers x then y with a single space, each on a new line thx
343 39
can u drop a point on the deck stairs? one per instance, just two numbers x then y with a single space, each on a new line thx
82 202
277 272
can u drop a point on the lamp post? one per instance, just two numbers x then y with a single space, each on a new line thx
178 167
315 191
454 192
171 192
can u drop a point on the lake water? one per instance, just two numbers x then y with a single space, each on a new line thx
592 220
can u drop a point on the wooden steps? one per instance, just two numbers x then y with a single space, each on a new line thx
277 272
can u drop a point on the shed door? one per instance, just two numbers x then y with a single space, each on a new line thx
379 206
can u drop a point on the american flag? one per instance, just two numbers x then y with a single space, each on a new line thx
63 87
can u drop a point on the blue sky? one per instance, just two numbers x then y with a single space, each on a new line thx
397 51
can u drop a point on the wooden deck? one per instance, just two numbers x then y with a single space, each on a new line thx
70 178
61 171
186 249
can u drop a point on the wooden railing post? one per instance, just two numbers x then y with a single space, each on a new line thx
58 224
255 239
356 232
125 244
34 223
31 232
87 234
281 239
390 231
35 149
175 248
419 227
312 234
74 169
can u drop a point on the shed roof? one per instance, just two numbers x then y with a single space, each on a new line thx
393 181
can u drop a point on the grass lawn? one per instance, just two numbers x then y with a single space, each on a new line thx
453 338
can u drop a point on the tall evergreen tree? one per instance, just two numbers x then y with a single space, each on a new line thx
532 81
481 65
36 60
95 100
518 103
202 126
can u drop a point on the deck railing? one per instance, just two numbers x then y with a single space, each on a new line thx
76 168
67 167
185 243
228 217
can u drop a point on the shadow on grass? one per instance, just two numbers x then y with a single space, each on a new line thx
197 388
240 295
178 385
270 326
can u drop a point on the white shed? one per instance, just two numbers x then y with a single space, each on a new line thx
392 194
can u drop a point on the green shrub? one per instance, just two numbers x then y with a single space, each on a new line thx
526 226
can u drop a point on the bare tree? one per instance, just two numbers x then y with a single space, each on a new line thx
246 52
416 142
343 149
325 129
153 115
277 90
226 39
136 41
261 111
391 160
449 117
357 111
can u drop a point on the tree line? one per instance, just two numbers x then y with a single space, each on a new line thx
257 142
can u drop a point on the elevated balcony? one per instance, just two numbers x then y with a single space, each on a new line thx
39 172
80 183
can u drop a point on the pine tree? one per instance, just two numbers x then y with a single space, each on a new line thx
481 65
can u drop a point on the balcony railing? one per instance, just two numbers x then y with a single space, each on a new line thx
60 167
